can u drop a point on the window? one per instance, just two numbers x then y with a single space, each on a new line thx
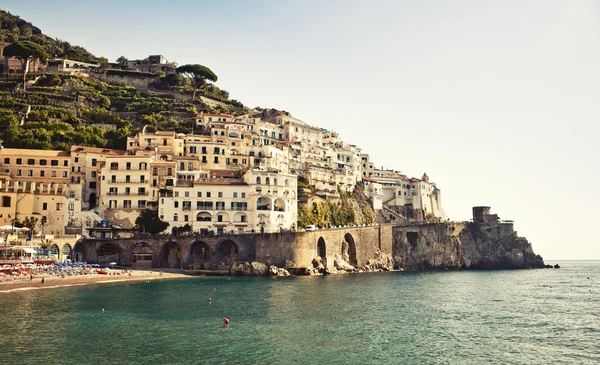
193 149
199 194
94 162
57 206
175 217
186 217
219 218
92 185
113 191
204 150
128 178
6 160
258 182
176 204
187 194
220 194
113 178
53 173
235 195
71 206
127 191
182 166
128 166
141 204
29 172
43 162
42 173
220 206
53 162
19 161
65 163
243 195
190 166
64 174
76 159
114 166
143 166
6 201
127 204
204 159
216 159
141 191
208 194
44 206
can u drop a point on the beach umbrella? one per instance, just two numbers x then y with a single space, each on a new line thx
112 263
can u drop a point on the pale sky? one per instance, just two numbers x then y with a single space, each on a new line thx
496 100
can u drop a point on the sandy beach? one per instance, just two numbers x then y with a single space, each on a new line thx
57 281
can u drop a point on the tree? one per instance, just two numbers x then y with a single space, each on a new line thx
26 51
149 222
197 74
122 60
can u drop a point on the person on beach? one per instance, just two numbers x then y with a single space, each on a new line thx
43 280
160 274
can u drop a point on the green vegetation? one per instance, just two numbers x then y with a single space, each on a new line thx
149 222
25 51
350 209
198 75
13 29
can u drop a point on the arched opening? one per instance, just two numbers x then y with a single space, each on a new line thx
222 217
350 250
287 183
66 252
54 251
227 253
199 256
92 200
108 253
322 250
279 205
275 181
171 255
141 255
78 250
203 217
258 182
240 217
263 203
267 181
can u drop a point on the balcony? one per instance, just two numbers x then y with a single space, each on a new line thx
127 194
127 182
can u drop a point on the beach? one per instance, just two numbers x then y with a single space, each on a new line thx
57 281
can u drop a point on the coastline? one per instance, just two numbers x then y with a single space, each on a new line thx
52 282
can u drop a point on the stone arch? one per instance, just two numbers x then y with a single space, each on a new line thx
109 252
267 181
224 217
199 255
203 217
321 249
240 217
263 203
258 182
54 250
351 250
279 205
275 181
141 255
227 253
171 255
66 252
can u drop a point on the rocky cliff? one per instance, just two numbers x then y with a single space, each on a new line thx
467 245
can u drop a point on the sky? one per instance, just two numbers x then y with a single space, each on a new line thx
497 100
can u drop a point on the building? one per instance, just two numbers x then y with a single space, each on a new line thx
152 64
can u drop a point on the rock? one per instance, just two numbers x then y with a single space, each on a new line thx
341 264
311 271
557 266
259 269
289 263
276 271
548 266
381 262
317 263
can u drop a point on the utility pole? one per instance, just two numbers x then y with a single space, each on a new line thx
17 200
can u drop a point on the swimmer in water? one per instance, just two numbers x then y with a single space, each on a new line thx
102 310
214 289
209 300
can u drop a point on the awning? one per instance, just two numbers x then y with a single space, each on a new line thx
29 249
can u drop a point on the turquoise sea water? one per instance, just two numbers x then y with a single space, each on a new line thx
452 317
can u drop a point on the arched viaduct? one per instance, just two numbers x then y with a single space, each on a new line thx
356 244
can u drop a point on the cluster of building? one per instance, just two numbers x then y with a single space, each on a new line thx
233 175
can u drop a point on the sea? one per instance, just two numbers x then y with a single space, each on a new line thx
543 316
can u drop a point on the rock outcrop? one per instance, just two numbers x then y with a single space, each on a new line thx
467 245
381 262
251 269
277 271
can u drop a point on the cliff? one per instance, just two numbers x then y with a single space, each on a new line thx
489 244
